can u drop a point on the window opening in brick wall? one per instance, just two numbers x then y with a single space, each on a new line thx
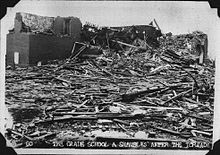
16 58
67 27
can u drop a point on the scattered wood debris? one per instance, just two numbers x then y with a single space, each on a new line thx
131 90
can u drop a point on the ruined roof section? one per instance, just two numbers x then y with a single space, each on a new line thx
36 23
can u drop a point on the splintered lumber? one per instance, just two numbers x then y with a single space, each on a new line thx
143 101
47 135
133 95
19 134
66 118
104 70
156 24
172 132
197 117
121 81
196 84
123 128
121 121
74 55
125 44
195 132
79 106
85 113
88 117
177 96
161 108
62 80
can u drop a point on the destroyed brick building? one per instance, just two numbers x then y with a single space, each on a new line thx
119 87
37 38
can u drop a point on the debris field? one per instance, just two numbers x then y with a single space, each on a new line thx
117 84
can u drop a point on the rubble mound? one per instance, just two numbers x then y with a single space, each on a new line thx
132 92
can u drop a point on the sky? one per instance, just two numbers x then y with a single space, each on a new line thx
176 17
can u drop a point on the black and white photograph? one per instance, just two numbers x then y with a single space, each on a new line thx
110 75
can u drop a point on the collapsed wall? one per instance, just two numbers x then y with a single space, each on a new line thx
39 39
134 91
25 22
